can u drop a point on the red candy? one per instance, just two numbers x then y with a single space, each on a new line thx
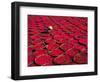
80 59
81 48
30 59
72 52
49 40
57 37
83 41
65 46
38 46
59 59
74 42
43 60
30 50
36 41
61 40
39 52
67 59
56 52
51 46
35 37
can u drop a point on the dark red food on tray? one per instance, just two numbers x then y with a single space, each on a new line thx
57 40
